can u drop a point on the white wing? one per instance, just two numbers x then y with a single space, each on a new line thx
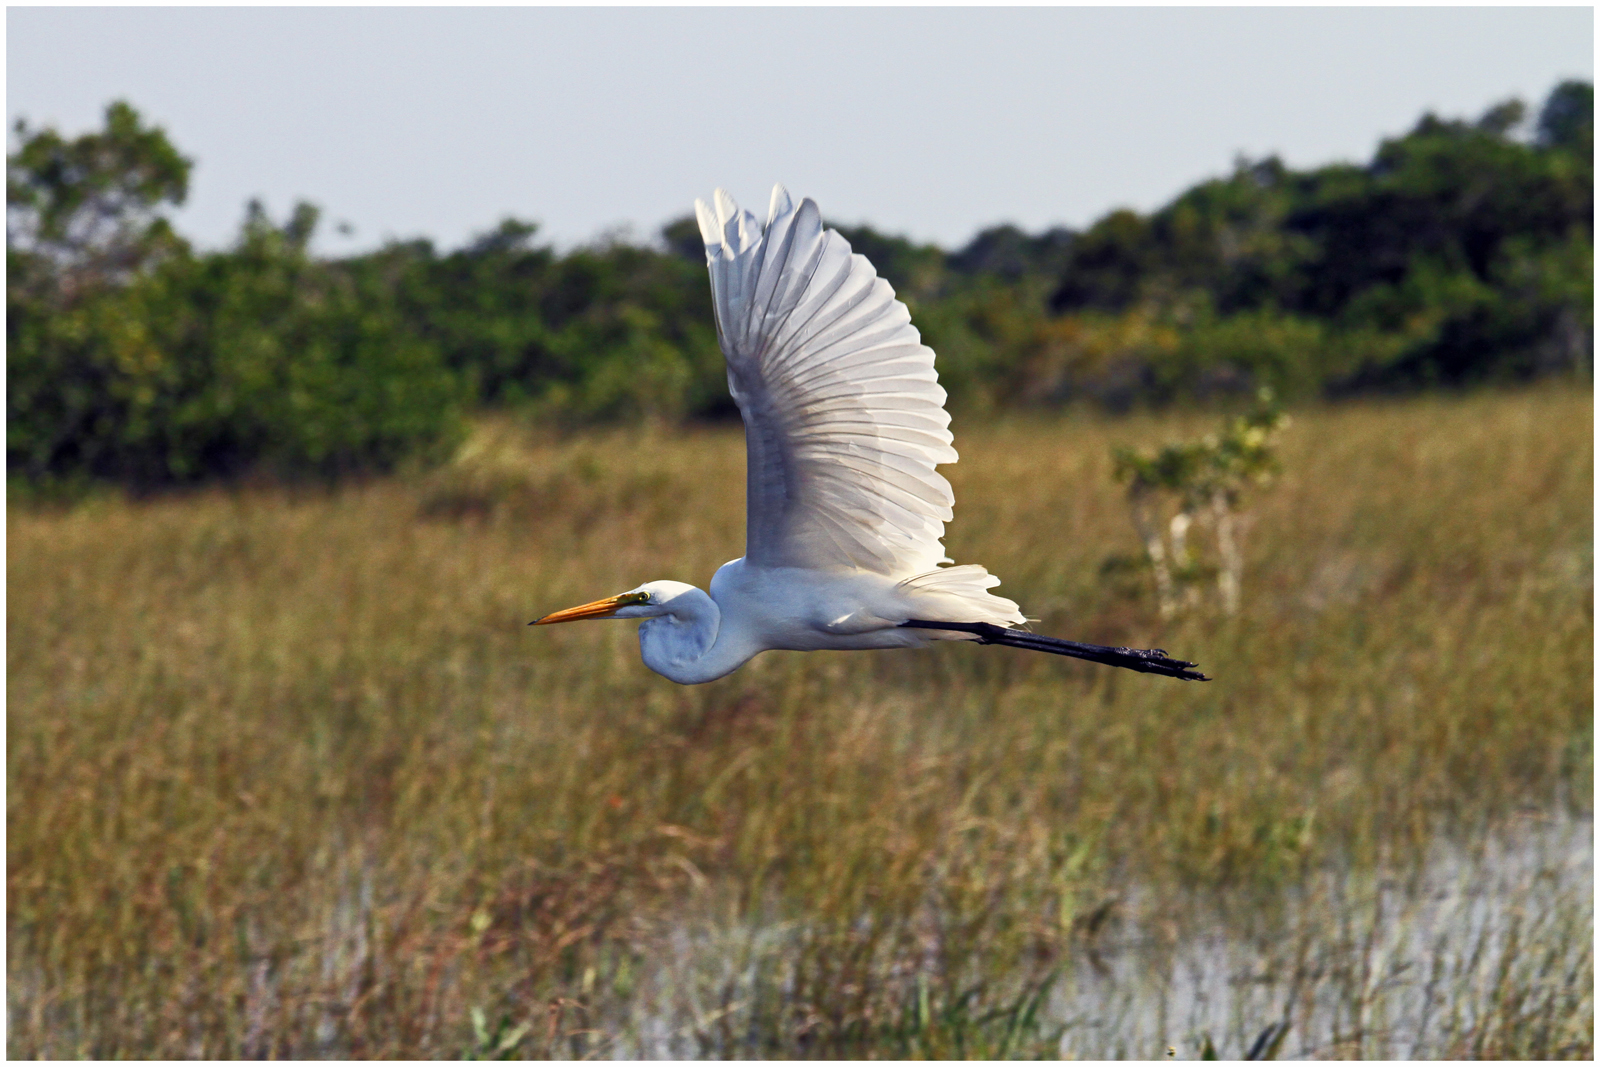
843 414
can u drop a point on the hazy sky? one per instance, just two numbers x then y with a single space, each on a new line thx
932 122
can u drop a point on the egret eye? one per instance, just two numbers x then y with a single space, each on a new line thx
630 599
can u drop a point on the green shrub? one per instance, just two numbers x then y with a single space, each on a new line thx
130 358
208 366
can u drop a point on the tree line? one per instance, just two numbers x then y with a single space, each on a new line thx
1460 254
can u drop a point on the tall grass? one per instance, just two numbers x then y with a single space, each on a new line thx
290 776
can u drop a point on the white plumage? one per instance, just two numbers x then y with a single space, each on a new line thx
844 430
844 416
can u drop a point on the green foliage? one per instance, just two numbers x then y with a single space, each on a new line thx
1241 455
497 1043
1008 252
1202 480
1567 119
1458 254
607 332
1462 253
132 358
970 1024
90 206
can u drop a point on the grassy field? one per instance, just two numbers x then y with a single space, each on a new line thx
289 775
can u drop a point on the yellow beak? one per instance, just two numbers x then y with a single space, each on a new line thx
598 609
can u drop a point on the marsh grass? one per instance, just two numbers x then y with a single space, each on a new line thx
290 776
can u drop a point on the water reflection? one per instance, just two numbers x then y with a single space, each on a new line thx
1457 956
1481 950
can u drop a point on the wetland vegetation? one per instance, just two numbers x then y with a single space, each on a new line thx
289 775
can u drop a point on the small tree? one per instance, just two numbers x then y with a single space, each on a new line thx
1204 480
90 210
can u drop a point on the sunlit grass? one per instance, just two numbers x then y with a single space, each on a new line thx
289 775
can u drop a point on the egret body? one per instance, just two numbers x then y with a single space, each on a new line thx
844 429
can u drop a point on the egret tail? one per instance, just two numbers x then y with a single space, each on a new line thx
1145 660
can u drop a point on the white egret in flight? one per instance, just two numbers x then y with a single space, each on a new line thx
844 426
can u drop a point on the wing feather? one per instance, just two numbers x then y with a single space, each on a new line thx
844 417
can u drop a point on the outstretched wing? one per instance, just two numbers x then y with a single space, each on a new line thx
843 414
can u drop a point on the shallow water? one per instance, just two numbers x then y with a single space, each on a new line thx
1468 951
1392 966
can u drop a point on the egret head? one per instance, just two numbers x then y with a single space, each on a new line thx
645 602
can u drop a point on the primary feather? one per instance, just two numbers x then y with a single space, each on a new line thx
844 416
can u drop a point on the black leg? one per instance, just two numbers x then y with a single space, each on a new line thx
1145 660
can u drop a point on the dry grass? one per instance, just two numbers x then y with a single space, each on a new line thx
290 776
